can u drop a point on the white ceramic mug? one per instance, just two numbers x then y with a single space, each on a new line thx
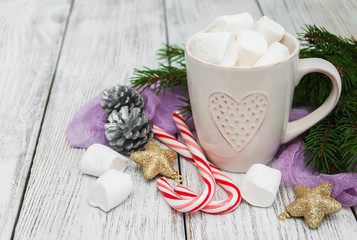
241 114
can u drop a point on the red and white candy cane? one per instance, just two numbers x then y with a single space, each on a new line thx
198 201
214 207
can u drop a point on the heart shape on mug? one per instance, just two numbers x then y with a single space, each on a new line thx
238 122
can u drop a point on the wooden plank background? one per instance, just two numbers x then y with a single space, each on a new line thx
56 55
105 41
31 34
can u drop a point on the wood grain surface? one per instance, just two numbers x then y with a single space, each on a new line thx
31 34
54 57
105 40
338 17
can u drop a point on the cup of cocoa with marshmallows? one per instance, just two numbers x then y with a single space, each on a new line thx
241 79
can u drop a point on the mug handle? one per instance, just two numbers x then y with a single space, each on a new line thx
305 66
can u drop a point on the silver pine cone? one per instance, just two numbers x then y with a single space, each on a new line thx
128 130
114 98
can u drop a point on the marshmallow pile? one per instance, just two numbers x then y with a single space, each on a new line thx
235 40
113 185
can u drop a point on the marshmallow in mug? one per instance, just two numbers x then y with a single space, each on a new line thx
98 159
215 47
231 23
269 29
275 53
110 189
251 46
260 185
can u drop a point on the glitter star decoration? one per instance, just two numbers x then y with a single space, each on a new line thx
313 203
156 160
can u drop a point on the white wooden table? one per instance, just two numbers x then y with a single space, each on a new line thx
55 55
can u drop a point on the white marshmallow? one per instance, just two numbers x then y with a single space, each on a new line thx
251 46
231 23
277 52
217 48
271 30
110 189
99 158
260 185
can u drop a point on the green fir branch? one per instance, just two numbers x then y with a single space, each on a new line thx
312 83
185 109
319 41
330 146
320 149
172 54
166 75
348 132
347 105
159 79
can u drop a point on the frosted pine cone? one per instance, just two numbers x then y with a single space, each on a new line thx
128 131
116 97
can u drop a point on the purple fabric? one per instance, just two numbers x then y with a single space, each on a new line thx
159 108
87 126
292 166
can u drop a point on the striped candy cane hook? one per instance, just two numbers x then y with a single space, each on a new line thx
199 201
214 207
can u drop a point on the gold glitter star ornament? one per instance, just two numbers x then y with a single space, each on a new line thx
156 160
312 204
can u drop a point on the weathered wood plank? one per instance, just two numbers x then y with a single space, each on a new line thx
246 222
30 39
338 17
104 42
